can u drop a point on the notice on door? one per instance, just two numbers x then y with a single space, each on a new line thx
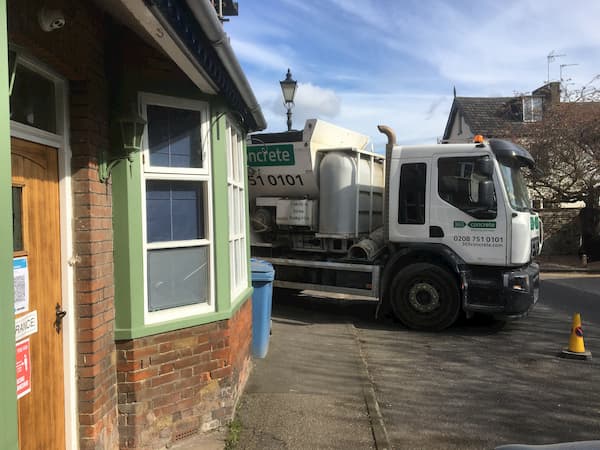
23 368
21 284
26 325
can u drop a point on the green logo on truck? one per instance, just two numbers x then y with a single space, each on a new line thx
482 225
534 222
271 155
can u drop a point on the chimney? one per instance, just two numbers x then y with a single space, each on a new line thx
550 92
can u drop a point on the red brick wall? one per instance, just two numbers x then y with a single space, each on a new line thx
77 52
94 283
177 384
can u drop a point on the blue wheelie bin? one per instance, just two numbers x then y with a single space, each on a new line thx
262 282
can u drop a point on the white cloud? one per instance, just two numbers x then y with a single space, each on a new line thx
315 101
258 55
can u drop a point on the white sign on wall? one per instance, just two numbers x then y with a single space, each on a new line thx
21 284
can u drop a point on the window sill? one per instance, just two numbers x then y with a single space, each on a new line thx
178 324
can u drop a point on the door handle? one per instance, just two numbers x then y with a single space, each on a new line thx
60 315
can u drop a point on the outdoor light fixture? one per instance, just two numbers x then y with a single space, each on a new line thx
51 19
131 127
288 87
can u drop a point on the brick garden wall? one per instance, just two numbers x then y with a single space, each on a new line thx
177 384
561 231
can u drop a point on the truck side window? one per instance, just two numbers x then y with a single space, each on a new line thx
459 184
411 198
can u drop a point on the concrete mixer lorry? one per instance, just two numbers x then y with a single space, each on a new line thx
429 230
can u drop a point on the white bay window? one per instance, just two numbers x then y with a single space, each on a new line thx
177 208
236 190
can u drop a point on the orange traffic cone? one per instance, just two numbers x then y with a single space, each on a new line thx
576 349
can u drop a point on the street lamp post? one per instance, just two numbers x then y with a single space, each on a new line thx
288 87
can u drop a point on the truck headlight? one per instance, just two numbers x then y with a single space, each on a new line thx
519 283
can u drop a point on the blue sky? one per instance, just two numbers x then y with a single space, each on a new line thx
360 63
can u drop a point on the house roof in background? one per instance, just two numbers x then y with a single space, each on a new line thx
489 116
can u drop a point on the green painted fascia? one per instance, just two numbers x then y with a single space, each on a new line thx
220 210
128 244
9 437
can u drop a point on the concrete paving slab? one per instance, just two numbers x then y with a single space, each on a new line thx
303 421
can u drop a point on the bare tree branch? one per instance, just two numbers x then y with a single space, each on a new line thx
566 147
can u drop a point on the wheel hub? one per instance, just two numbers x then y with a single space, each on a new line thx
423 297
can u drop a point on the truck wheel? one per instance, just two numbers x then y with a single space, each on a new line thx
425 297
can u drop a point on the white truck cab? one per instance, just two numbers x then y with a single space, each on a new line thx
462 207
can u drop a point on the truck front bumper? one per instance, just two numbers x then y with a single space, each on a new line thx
505 293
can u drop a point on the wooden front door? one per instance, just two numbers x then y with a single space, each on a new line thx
36 222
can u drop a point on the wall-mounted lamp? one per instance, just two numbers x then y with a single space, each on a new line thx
51 19
131 127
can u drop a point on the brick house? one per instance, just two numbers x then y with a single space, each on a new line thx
127 263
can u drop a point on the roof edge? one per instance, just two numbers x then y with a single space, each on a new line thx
209 21
198 29
450 121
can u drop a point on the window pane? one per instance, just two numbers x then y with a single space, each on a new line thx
17 194
458 184
236 156
229 154
174 210
32 100
233 266
238 208
231 210
532 109
174 137
411 203
177 277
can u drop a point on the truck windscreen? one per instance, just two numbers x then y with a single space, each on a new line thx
514 183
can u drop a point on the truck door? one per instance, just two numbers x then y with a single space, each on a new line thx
460 215
408 194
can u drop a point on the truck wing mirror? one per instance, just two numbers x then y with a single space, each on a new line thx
484 166
486 194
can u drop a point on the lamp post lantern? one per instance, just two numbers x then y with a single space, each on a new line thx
288 87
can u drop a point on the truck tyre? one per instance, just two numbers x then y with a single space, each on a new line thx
425 296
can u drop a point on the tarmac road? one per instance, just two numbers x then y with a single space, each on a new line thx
333 375
483 384
573 292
